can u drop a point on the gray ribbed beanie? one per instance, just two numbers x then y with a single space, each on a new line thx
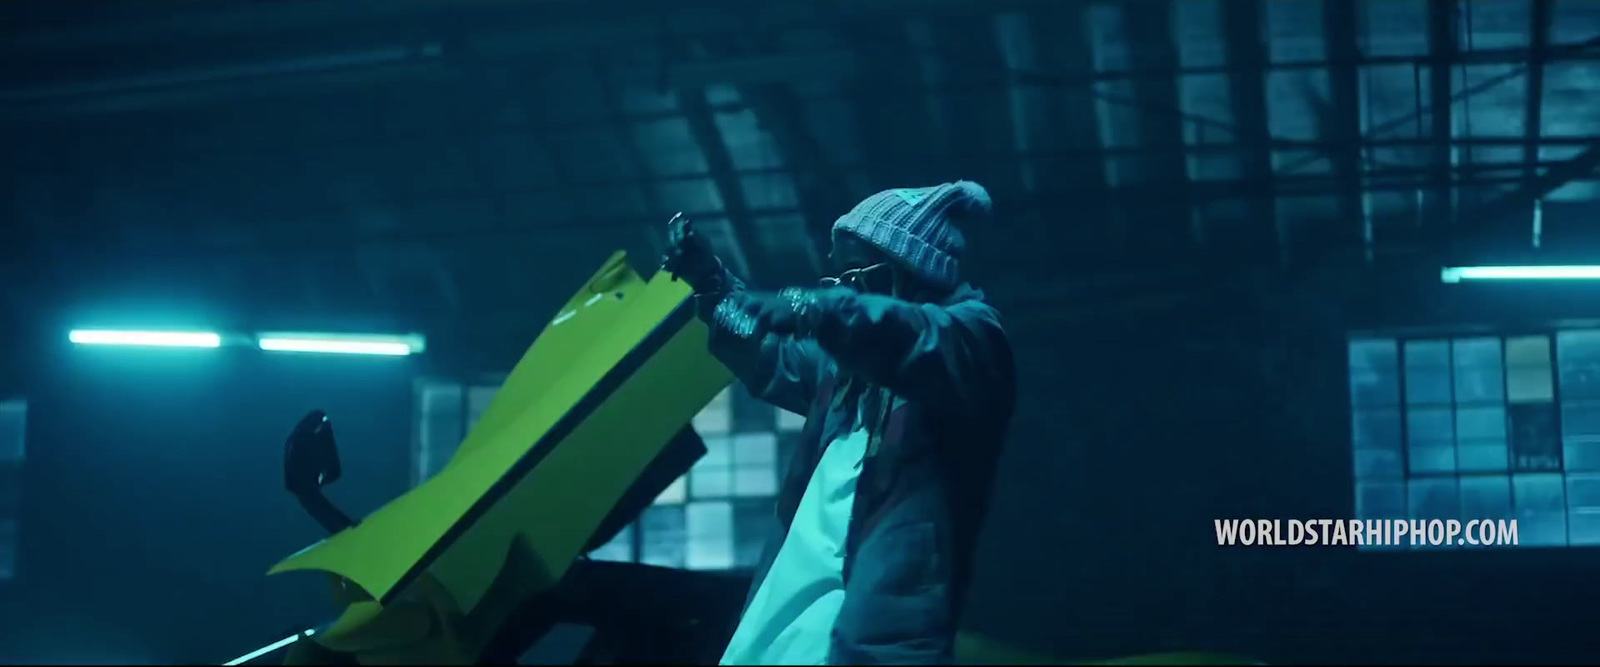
916 226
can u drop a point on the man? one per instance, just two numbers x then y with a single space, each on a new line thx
906 380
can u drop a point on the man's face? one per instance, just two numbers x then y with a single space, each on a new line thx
861 265
850 252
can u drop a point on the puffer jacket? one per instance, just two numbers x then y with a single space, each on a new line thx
936 385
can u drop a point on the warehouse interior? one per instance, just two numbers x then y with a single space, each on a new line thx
1218 240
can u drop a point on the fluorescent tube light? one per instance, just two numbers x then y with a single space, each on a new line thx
396 346
1457 274
269 648
145 338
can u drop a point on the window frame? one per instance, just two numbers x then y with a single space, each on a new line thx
733 399
11 571
1402 404
427 459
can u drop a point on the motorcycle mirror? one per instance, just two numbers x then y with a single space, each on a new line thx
311 456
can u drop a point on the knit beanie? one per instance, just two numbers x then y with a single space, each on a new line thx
917 226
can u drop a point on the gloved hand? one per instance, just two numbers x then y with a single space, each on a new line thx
690 257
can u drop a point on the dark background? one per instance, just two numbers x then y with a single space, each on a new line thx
1197 203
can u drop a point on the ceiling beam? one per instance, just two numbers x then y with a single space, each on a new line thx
1245 44
1538 52
1501 227
624 128
820 187
713 144
1149 33
1073 229
1340 124
1443 49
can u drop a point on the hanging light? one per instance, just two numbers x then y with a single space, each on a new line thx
145 338
1457 274
383 345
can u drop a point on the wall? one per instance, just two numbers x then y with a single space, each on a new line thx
154 500
1134 435
155 505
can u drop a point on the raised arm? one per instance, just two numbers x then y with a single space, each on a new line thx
780 370
951 356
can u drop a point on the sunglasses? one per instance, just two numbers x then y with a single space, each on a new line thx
876 278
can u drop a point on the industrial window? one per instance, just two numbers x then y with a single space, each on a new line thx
717 516
13 452
714 517
1480 428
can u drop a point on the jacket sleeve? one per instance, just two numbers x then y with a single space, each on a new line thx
948 356
780 370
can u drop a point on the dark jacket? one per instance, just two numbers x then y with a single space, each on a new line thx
935 383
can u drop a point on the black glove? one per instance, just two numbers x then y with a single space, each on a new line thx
690 257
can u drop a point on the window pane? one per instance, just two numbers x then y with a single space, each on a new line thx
440 429
1428 372
675 492
1436 498
1481 423
1432 460
1583 509
619 549
10 490
719 452
1580 431
1430 436
478 399
710 532
710 482
1377 464
1579 352
790 421
1583 526
1485 497
1528 377
1534 442
13 431
1374 373
1381 500
1583 490
756 481
1430 426
1540 503
1580 418
1482 457
1375 429
1581 455
717 417
8 549
1478 371
755 449
1375 437
662 537
1481 439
